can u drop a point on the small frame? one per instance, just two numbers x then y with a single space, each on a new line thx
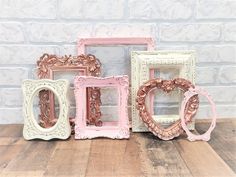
143 65
32 130
83 42
116 129
188 95
84 65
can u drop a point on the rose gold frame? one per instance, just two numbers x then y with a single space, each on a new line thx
167 86
84 64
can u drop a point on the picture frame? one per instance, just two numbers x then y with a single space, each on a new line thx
83 42
143 65
114 129
48 64
32 130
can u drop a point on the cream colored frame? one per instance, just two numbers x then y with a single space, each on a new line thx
142 62
32 130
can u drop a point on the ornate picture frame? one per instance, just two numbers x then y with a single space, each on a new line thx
143 64
85 65
115 129
32 130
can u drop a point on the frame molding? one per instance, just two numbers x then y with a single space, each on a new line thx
143 64
32 129
84 64
116 129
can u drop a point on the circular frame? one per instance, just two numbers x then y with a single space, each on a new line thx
167 86
188 95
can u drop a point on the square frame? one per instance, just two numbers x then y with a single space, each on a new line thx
32 130
85 64
143 65
114 130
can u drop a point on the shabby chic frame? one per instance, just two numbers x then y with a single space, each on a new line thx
116 129
187 96
143 65
84 64
32 130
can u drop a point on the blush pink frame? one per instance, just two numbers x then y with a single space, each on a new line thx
189 94
83 42
117 129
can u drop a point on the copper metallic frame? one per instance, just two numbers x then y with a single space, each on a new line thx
47 65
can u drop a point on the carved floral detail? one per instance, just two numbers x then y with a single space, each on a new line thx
175 129
47 63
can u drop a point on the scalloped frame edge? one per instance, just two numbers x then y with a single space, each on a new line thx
31 129
207 135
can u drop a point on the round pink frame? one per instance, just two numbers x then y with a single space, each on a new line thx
190 93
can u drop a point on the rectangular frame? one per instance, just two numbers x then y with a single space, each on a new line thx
83 42
48 64
148 41
143 66
114 130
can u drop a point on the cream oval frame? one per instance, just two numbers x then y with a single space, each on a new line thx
32 130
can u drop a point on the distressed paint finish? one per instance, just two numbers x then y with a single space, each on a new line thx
32 130
189 95
116 129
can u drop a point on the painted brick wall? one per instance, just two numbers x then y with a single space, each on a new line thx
29 28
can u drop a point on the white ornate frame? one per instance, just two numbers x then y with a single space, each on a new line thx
32 130
116 129
143 64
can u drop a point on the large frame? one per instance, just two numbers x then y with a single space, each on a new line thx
83 64
116 129
83 42
143 64
32 129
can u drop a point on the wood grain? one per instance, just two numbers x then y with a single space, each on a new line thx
201 159
142 155
69 159
223 140
161 158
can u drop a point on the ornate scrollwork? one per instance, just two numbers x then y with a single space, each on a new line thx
47 63
167 86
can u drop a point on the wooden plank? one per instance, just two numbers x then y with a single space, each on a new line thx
69 159
13 130
7 153
114 158
160 158
201 159
223 140
34 157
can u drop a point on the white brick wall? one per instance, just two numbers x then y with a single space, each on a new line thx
29 28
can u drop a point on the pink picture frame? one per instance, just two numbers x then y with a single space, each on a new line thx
83 42
115 129
148 41
187 96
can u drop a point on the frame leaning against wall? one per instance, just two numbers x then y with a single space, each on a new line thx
83 64
84 42
143 66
